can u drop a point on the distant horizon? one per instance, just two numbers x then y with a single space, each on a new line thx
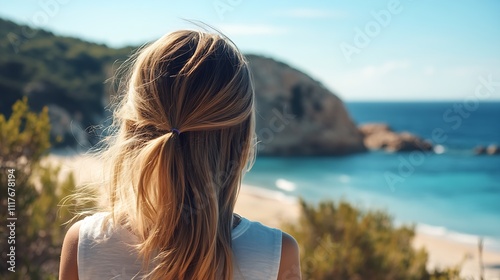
378 51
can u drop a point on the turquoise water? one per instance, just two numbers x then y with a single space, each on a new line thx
453 192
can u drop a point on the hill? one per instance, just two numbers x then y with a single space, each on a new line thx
296 114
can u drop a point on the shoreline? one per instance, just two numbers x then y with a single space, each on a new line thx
489 244
253 204
274 208
442 250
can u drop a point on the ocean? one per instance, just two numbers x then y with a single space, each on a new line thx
449 192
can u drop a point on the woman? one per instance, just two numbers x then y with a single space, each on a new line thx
184 137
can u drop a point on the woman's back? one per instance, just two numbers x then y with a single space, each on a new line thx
108 253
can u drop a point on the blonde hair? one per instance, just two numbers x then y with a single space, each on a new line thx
184 137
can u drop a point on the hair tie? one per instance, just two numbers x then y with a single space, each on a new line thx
175 130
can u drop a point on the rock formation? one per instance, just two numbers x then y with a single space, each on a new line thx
379 136
479 150
297 116
490 150
493 150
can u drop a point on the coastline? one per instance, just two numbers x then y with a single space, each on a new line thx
442 250
274 208
256 204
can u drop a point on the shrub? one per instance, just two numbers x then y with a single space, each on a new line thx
24 141
339 241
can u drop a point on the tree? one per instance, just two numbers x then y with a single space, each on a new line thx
34 191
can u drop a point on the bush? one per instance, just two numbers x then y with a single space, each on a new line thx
338 241
24 142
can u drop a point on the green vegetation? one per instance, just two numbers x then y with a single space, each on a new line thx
65 72
24 142
338 241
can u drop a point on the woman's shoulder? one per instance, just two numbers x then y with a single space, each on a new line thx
68 268
252 237
95 226
290 261
75 231
264 252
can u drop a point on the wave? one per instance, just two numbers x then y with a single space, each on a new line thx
267 193
439 149
489 243
285 185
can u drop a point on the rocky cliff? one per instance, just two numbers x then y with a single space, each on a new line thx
379 136
297 116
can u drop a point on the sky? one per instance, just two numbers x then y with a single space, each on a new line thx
375 50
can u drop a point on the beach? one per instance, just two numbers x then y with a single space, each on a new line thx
442 252
253 204
261 205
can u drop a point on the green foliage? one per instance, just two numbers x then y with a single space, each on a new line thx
338 241
450 273
23 136
62 71
24 141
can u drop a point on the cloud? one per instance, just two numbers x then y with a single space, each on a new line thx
429 70
463 71
377 81
309 13
251 29
376 71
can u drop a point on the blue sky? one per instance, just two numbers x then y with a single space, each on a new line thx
361 50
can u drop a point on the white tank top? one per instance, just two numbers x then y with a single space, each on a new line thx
107 254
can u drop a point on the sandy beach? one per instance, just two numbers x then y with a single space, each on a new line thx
257 204
442 252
